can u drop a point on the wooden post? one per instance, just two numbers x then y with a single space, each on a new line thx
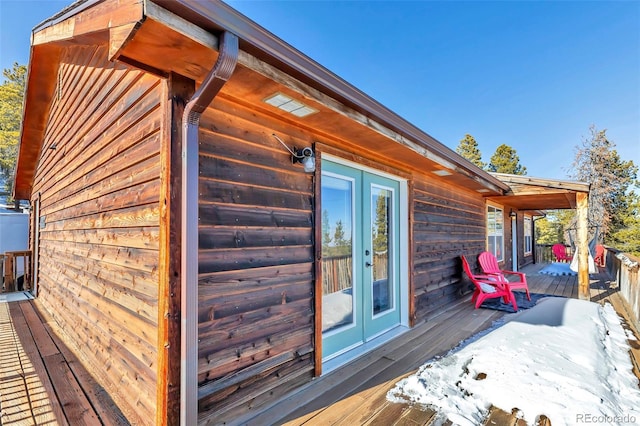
179 90
582 205
9 279
2 289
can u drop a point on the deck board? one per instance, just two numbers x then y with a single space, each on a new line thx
41 381
360 387
33 398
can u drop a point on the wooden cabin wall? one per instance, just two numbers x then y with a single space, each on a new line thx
99 182
447 222
255 262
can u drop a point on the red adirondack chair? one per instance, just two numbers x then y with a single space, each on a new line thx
488 287
599 258
560 252
489 265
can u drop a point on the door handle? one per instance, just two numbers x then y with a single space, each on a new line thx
368 264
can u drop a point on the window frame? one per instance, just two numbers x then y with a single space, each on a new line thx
492 231
527 238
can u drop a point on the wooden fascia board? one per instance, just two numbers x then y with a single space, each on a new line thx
39 90
98 18
267 48
515 181
75 26
421 149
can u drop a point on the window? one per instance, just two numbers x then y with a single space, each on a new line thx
495 232
527 235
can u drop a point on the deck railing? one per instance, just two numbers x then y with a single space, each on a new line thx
624 268
15 278
544 253
337 271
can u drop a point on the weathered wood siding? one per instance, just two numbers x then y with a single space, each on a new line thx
255 263
447 222
100 191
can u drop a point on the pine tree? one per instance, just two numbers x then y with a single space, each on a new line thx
468 148
11 96
505 160
598 163
326 230
381 226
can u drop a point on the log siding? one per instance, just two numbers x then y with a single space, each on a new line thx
98 179
447 222
256 269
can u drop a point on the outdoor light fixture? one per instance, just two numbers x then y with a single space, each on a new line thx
512 214
289 105
301 155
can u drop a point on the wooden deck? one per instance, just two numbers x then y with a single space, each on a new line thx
42 383
356 394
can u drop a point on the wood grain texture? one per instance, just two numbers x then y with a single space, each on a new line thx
256 265
178 90
100 205
447 223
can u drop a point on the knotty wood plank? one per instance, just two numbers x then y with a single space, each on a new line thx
14 397
42 401
76 406
415 416
376 409
45 344
384 414
178 90
104 406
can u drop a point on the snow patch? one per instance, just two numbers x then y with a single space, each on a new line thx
564 358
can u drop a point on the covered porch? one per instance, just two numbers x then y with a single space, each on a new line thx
41 382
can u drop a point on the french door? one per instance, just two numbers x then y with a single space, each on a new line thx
360 256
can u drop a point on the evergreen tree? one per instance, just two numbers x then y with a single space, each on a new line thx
627 236
326 230
468 148
611 179
505 160
338 235
381 226
11 97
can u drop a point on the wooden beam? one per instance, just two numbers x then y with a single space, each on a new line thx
119 37
163 35
88 23
583 246
178 91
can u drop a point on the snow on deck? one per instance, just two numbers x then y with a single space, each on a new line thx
567 359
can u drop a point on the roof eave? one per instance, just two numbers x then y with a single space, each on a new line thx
216 16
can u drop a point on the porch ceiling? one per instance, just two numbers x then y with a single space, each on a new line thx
531 193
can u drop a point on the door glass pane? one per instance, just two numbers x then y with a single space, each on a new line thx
382 287
337 253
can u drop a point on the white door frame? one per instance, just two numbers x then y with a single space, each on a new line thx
514 243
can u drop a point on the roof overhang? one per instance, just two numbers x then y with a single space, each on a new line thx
532 193
145 33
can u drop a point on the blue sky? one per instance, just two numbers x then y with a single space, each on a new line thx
532 75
